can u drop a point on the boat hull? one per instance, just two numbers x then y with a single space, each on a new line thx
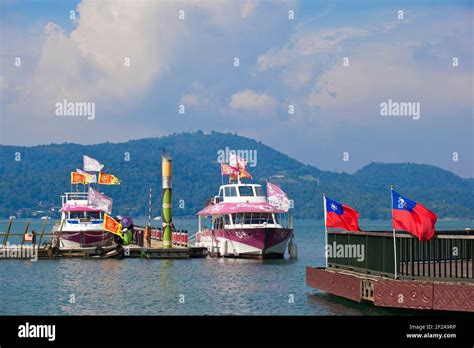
261 243
75 239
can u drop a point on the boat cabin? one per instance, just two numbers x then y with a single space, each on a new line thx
233 193
75 209
241 206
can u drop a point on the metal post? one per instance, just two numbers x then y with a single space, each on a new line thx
5 239
149 209
166 167
26 231
325 231
394 238
42 233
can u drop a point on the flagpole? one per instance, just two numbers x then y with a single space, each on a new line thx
149 209
222 175
394 236
325 231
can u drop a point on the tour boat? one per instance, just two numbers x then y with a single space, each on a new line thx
81 223
239 222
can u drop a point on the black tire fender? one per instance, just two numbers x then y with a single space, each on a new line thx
55 251
120 250
99 251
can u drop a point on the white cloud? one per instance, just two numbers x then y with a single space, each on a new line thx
386 71
306 44
250 100
248 8
190 100
88 63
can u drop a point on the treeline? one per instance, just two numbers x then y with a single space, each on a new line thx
33 178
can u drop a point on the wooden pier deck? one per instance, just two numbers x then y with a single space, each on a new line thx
156 251
14 246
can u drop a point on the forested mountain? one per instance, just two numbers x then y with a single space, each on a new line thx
33 178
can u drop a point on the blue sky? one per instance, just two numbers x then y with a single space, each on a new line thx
283 62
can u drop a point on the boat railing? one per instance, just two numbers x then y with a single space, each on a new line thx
68 196
448 255
192 239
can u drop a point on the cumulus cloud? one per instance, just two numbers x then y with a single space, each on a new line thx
250 100
248 8
116 52
306 44
380 72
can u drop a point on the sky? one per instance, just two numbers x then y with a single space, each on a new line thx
311 77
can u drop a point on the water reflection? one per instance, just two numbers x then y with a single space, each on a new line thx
153 287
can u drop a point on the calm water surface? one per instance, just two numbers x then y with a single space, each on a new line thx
158 287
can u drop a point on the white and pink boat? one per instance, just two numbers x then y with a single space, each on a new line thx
240 222
82 222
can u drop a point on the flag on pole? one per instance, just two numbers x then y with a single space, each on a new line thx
99 200
92 165
341 216
244 174
237 162
108 179
90 178
112 226
277 198
412 217
77 178
228 170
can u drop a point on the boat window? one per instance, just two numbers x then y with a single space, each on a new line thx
227 219
221 193
219 223
93 215
262 218
238 218
258 191
76 214
252 218
245 190
247 218
230 192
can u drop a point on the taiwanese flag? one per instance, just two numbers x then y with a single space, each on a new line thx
412 217
341 216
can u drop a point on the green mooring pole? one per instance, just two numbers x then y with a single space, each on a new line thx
167 218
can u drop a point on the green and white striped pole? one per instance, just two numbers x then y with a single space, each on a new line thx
166 168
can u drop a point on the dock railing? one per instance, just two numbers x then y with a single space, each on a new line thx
14 232
447 256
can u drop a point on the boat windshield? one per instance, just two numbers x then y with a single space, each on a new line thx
258 191
87 215
252 218
230 192
245 191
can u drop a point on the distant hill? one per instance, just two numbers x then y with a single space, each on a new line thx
42 175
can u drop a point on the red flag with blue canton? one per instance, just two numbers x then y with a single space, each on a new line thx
412 217
341 216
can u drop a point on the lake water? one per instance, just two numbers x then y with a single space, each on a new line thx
182 287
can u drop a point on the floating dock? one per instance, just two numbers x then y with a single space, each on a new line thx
42 246
400 272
